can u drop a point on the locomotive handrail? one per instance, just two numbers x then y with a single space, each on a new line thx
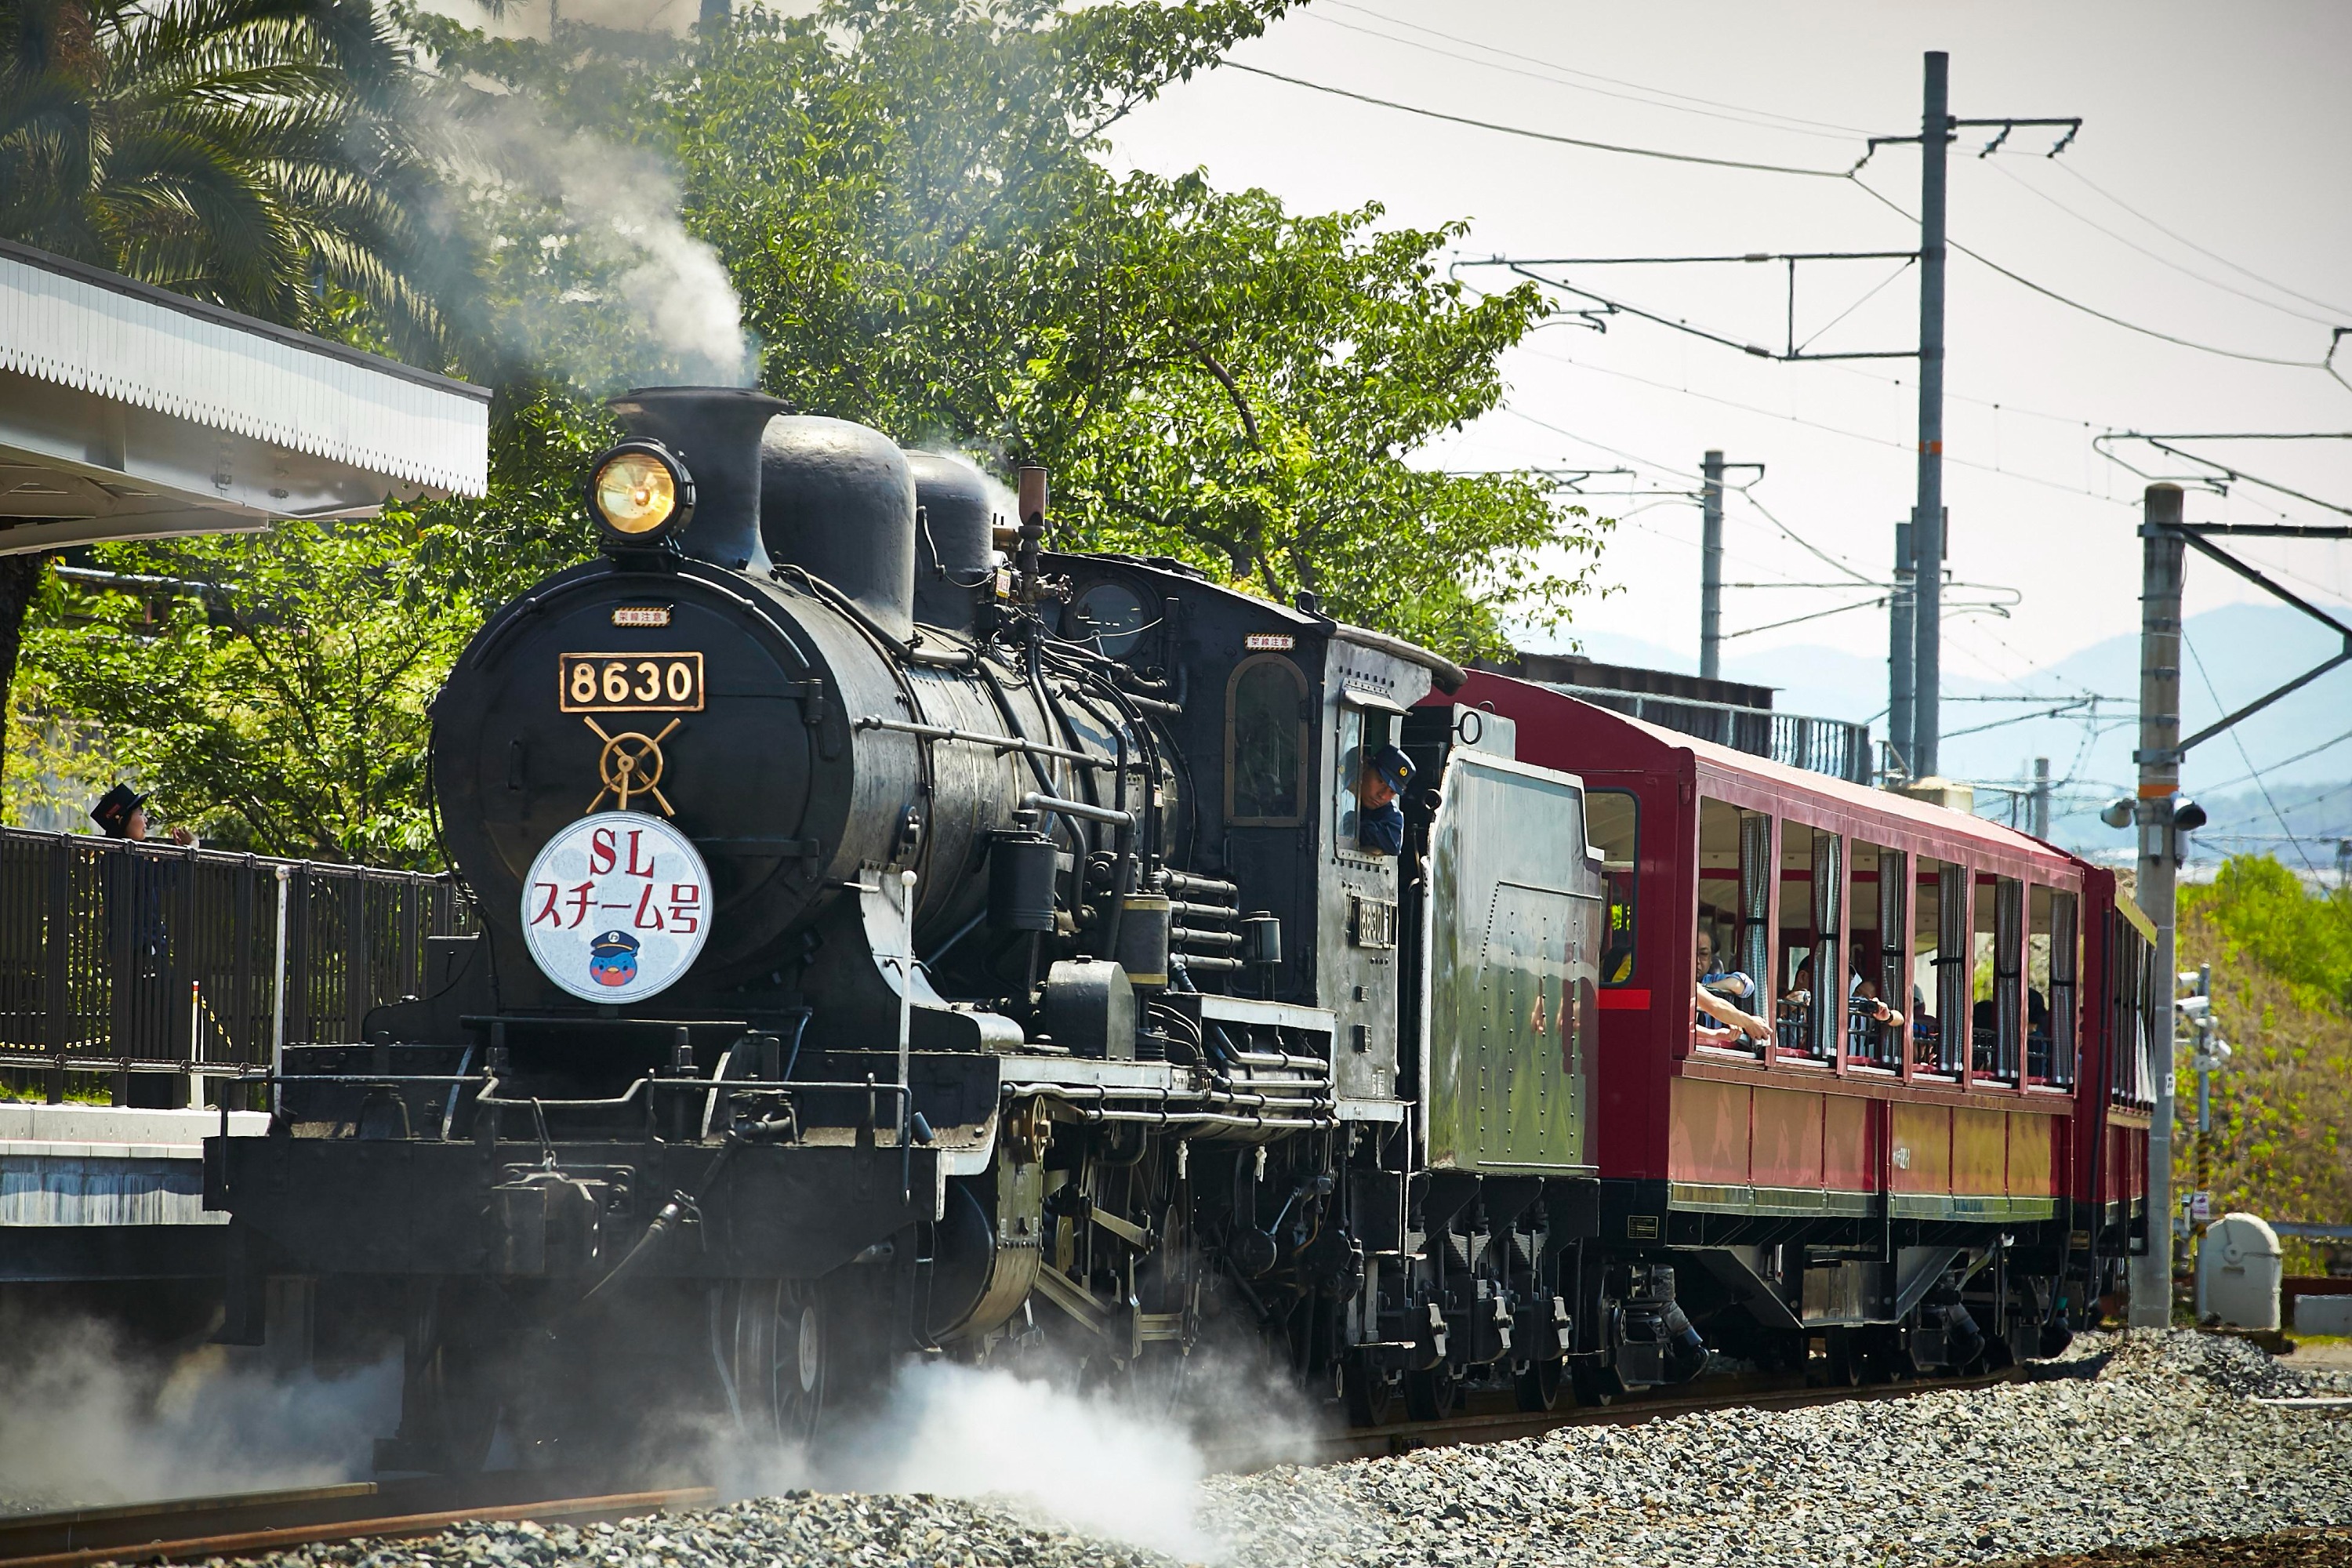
976 738
1033 801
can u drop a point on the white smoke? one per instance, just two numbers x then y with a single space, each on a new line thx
628 296
91 1418
1123 1466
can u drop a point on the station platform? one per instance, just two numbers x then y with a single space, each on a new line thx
95 1192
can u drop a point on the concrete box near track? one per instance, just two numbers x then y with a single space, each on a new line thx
2238 1271
2323 1314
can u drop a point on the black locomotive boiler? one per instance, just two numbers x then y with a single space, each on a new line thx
900 939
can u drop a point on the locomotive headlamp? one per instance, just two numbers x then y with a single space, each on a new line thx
641 494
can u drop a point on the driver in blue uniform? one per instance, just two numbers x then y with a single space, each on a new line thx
1380 821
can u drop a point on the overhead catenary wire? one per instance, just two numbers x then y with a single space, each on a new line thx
1852 175
2001 166
2342 311
1713 108
2073 304
1537 135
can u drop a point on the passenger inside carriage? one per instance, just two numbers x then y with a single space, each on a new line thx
1863 1000
1717 1021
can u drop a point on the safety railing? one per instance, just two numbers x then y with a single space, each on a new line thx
161 965
1831 746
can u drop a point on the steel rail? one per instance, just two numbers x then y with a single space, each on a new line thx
248 1524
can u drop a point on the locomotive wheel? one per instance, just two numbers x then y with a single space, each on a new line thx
1843 1364
776 1352
449 1400
1369 1392
1594 1383
1431 1396
1535 1385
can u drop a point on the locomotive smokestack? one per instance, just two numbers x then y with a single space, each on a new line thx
715 432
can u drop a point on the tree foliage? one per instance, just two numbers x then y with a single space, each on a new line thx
2282 1107
273 689
260 154
2268 917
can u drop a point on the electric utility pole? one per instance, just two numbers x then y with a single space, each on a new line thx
1927 514
1936 124
2038 819
1710 567
1901 610
2161 553
1711 468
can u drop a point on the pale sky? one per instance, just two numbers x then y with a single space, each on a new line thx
2231 127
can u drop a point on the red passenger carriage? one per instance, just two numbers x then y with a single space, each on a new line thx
1853 1174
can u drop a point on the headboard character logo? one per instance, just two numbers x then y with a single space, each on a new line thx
613 959
617 906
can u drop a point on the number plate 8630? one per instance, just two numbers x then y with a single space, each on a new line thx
630 682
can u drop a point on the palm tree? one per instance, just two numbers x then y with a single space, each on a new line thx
257 154
260 154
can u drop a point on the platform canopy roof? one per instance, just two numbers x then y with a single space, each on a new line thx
129 412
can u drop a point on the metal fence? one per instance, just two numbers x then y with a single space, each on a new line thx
1830 746
154 962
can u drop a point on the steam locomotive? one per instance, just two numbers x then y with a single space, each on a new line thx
903 939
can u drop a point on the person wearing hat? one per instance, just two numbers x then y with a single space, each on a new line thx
136 889
1380 822
121 813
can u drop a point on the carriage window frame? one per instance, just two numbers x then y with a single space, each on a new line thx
1631 972
1302 786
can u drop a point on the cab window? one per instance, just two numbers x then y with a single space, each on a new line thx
1265 743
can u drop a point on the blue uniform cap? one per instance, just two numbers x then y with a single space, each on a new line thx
1394 768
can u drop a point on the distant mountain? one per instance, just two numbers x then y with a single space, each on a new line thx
2237 653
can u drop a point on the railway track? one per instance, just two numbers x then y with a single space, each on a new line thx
249 1524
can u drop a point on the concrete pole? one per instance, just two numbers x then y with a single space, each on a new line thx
2159 780
2038 822
1710 567
1927 517
1901 630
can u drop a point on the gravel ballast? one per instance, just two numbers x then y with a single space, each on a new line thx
2142 1439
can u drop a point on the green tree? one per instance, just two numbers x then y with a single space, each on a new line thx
2282 1108
2268 917
276 693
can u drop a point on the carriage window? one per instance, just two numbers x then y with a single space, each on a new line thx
1940 967
1812 984
1612 826
1997 1007
2064 964
2051 958
1735 903
1876 970
1265 743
